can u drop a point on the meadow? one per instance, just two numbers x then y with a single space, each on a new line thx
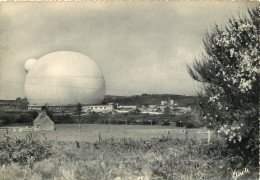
124 152
95 132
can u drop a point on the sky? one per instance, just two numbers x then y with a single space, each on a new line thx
141 47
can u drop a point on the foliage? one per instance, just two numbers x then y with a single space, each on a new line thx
14 117
149 99
229 72
104 118
23 151
79 109
79 112
155 158
63 118
48 111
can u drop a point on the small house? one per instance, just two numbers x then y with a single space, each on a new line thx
43 122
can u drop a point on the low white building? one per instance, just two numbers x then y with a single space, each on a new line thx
185 109
97 108
85 108
121 111
149 108
152 113
34 107
126 107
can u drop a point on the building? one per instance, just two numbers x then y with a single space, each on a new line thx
149 108
34 107
72 108
97 108
169 103
14 105
43 122
163 103
182 110
126 107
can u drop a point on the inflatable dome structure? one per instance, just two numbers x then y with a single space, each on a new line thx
63 78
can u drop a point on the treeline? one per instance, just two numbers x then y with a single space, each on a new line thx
95 118
7 118
153 99
186 120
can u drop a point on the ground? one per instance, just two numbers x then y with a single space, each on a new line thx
92 132
73 155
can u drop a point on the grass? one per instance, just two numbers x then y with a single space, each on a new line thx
90 132
162 157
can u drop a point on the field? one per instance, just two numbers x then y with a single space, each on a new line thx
92 132
120 152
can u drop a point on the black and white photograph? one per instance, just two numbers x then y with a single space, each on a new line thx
129 90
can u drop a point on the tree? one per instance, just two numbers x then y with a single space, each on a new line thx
79 112
167 110
228 70
48 112
104 102
79 109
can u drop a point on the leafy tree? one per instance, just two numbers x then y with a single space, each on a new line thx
79 109
228 70
167 110
104 102
79 112
34 114
48 112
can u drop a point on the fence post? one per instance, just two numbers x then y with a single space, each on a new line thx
186 134
99 137
208 136
108 125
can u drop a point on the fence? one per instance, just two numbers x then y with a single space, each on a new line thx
194 133
15 129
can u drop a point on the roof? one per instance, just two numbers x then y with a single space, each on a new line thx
42 118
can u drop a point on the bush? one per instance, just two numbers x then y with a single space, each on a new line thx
7 118
229 72
24 151
159 158
14 117
179 123
63 118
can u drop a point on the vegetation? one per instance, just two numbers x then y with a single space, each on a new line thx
154 99
24 151
130 118
7 118
156 158
230 95
94 118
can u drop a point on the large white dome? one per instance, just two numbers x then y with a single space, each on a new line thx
64 78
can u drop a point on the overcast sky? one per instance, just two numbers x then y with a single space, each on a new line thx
141 47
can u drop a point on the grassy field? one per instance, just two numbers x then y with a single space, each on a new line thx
92 132
125 152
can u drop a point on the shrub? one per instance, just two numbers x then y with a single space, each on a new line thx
125 158
24 151
7 118
229 71
179 123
